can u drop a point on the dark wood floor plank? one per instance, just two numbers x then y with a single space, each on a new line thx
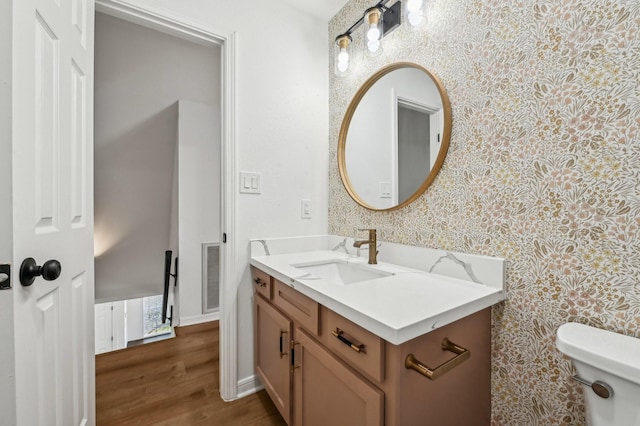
173 382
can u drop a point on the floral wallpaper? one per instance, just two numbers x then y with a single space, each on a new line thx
543 170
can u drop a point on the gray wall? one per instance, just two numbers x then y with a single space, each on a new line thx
140 74
414 146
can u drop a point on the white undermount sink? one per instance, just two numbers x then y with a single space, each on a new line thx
341 272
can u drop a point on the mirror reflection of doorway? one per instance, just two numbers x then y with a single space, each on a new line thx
417 145
413 150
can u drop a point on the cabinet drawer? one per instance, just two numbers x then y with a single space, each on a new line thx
360 348
296 305
262 282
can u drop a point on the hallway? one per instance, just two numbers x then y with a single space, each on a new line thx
173 382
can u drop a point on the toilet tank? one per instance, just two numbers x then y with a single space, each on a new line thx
611 352
608 358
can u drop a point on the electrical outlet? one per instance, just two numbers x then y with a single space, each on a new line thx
305 207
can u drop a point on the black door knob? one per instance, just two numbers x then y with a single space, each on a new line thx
29 270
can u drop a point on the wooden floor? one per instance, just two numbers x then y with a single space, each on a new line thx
173 382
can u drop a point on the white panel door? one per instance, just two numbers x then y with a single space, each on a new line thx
104 328
110 326
119 324
52 143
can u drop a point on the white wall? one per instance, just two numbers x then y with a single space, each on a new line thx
140 76
7 384
199 199
282 126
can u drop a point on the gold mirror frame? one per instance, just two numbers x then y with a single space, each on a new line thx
344 129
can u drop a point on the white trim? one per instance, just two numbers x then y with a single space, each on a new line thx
405 102
199 319
395 178
228 281
161 21
178 26
249 385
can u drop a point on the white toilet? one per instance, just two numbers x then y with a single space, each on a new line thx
609 363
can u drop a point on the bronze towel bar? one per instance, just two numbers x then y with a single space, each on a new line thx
462 355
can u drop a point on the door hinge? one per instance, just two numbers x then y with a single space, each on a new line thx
112 338
5 277
224 237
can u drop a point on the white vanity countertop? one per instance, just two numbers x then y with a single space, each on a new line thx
397 308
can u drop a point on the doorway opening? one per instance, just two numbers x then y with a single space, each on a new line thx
226 41
157 171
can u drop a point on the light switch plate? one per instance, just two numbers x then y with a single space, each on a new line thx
249 183
385 189
305 209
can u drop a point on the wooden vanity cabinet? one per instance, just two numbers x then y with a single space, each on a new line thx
296 306
328 392
273 354
342 374
262 283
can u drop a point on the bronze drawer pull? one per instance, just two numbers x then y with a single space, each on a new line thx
260 282
293 356
282 353
339 334
462 355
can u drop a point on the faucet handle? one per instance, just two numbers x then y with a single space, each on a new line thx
372 233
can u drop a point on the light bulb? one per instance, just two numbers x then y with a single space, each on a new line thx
373 28
373 34
342 53
415 12
415 18
414 5
343 60
343 56
373 45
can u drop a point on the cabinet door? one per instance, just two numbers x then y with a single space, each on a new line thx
272 354
327 392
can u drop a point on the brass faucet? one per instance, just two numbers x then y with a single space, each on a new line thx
371 242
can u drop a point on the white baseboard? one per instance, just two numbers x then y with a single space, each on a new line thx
199 319
249 385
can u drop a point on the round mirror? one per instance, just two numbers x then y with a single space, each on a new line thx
394 137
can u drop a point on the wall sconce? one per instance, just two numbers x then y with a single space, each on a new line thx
342 53
378 21
373 29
